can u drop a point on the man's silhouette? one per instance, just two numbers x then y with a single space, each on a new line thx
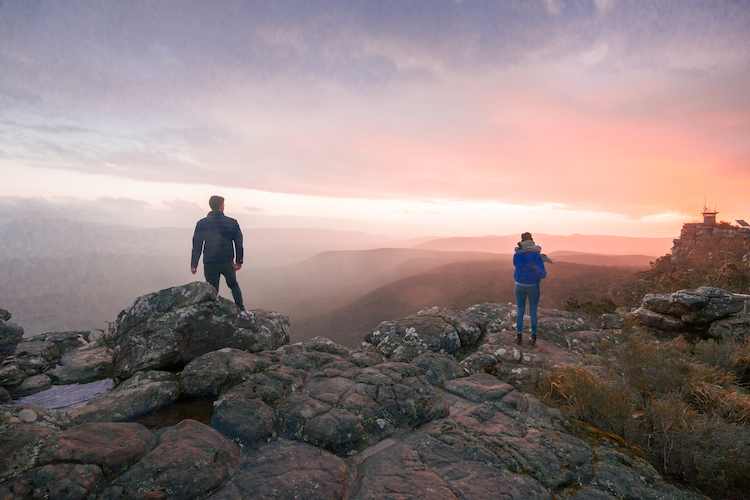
220 239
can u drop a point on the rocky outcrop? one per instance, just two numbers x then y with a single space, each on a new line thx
710 236
687 310
82 365
30 368
170 328
432 329
315 420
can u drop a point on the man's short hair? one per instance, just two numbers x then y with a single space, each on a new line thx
215 202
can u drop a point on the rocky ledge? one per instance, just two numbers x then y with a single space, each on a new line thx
431 406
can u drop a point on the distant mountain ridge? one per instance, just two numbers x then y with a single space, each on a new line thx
612 245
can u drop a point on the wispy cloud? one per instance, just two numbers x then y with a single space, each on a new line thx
628 107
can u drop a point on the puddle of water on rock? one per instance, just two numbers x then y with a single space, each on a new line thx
196 409
65 397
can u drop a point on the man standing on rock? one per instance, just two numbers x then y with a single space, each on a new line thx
220 239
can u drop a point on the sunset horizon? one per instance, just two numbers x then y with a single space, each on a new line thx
454 118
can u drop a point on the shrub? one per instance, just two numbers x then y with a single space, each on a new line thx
681 409
583 395
106 337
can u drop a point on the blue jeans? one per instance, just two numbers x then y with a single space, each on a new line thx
214 271
532 292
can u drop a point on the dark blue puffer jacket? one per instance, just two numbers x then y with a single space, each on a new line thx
218 237
529 268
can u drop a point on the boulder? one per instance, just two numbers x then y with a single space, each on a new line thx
112 446
659 321
65 341
10 335
82 365
433 329
438 368
687 309
191 460
170 328
210 374
244 419
68 481
142 394
21 443
479 362
11 375
31 385
735 328
36 356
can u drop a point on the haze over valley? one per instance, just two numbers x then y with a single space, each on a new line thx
63 274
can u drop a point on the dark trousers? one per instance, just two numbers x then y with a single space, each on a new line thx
532 292
213 273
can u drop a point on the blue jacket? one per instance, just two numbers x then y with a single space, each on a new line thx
529 268
218 236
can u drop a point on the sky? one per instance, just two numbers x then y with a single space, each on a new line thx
403 118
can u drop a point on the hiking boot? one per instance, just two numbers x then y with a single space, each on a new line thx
533 341
519 338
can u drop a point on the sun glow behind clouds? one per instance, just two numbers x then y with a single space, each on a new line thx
165 204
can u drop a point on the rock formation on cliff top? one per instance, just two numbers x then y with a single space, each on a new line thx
398 417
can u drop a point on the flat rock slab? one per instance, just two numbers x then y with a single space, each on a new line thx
433 329
21 443
113 446
82 365
142 394
479 387
190 461
288 469
209 374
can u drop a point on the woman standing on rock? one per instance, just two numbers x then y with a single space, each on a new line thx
529 271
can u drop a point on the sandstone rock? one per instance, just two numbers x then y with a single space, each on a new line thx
523 366
68 481
31 385
736 328
659 321
11 375
209 374
21 443
10 335
168 329
435 329
65 341
438 368
112 446
4 315
190 461
140 395
323 344
398 472
610 321
479 362
288 469
82 365
271 386
244 419
36 356
688 308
